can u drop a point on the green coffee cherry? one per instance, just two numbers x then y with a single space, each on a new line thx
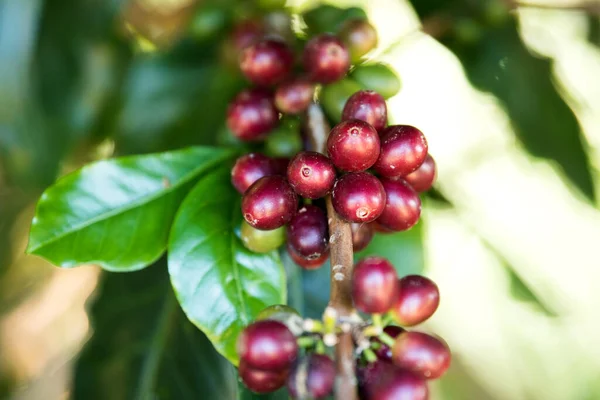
285 140
261 241
334 96
377 77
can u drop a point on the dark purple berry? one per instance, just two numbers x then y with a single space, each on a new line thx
267 62
422 178
402 205
368 106
269 203
425 355
353 145
359 36
249 168
384 352
361 236
418 299
261 381
326 58
311 174
403 150
252 114
307 232
358 197
267 345
305 263
400 385
374 285
312 377
294 96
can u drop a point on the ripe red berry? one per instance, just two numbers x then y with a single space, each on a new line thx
312 377
311 174
359 36
249 168
307 232
403 150
361 236
326 58
246 33
269 203
293 97
353 145
305 263
377 227
402 205
261 381
382 380
267 62
374 285
252 114
422 178
384 352
418 299
368 106
267 345
358 197
425 355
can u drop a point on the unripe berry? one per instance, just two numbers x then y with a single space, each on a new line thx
266 62
305 263
358 197
422 178
361 236
249 168
326 58
267 345
418 299
359 36
384 352
368 106
307 232
402 205
311 174
294 96
261 241
252 114
353 145
269 203
377 77
261 381
284 140
403 150
374 285
425 355
312 377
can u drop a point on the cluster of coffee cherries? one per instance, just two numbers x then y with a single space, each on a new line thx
392 363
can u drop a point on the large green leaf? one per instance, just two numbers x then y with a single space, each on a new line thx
143 347
220 284
117 213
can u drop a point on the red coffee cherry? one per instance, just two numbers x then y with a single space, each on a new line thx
307 233
294 96
358 197
425 355
312 377
252 114
418 300
269 203
311 174
422 178
368 106
326 58
305 263
402 205
384 352
267 345
377 227
353 145
361 236
403 150
359 36
267 62
261 381
384 381
374 285
249 168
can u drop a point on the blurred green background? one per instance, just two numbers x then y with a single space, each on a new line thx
507 94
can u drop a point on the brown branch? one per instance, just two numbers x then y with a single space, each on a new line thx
341 259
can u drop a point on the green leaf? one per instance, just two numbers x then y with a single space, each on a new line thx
220 284
117 213
143 346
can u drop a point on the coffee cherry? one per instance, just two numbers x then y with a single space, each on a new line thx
249 168
267 345
423 177
284 140
269 203
312 377
425 355
293 97
261 241
252 114
246 33
358 197
402 205
399 385
359 36
266 62
333 97
384 352
311 174
377 77
307 232
367 106
377 227
305 263
403 150
261 381
353 145
361 236
326 58
418 299
374 285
